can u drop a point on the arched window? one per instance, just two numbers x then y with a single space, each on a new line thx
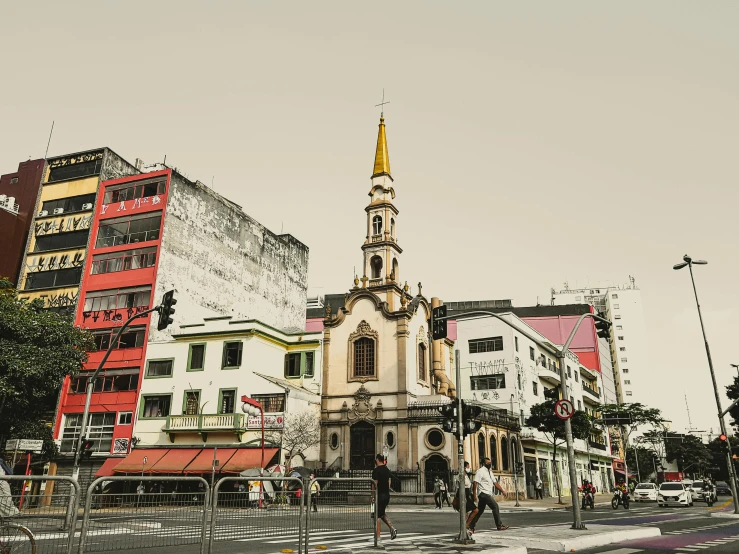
392 227
377 225
396 269
422 362
481 448
376 266
504 453
494 451
364 357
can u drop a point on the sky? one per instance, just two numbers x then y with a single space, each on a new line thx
531 143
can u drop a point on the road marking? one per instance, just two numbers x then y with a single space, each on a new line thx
622 551
295 536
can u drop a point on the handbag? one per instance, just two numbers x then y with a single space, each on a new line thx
455 503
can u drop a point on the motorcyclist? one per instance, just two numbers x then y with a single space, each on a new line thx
587 488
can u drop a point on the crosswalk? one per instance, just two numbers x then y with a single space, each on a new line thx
691 530
707 544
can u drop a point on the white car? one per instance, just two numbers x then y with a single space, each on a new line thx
674 493
645 492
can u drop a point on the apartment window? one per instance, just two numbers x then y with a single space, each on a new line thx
625 370
56 278
113 380
125 418
489 382
616 306
623 360
536 388
292 365
129 230
118 299
271 403
614 296
309 364
61 241
532 353
129 191
75 170
156 405
196 357
492 344
191 402
232 354
100 428
628 393
627 382
72 204
364 357
622 349
579 405
576 376
617 316
621 337
159 368
123 261
619 327
569 371
133 337
228 401
422 362
515 341
376 225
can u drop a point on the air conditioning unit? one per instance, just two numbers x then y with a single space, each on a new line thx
87 206
43 213
58 211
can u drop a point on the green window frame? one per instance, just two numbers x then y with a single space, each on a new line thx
171 368
220 400
185 396
142 405
306 364
238 353
189 357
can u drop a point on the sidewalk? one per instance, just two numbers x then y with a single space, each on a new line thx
509 506
442 546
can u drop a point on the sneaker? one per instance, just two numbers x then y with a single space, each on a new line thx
393 533
503 527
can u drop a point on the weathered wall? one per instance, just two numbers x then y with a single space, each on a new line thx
223 262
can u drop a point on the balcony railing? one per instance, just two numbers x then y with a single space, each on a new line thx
591 390
429 411
599 444
204 424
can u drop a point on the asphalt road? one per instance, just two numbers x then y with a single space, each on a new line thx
683 530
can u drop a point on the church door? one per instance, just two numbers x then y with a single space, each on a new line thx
362 446
436 466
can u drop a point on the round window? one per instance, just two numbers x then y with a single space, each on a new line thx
390 439
435 438
334 440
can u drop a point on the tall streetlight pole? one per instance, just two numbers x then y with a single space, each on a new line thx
688 261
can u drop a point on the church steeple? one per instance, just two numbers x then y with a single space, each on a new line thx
382 158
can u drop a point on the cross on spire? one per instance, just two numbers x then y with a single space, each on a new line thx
381 105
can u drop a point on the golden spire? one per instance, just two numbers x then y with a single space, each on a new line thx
382 159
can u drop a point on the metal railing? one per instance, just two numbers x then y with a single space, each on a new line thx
341 505
46 505
255 508
591 390
160 511
205 422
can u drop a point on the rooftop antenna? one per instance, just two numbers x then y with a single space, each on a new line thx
690 423
48 143
381 105
165 160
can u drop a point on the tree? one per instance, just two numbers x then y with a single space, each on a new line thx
718 457
300 432
645 460
732 391
38 348
542 419
689 453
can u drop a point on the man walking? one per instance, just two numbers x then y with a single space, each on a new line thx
482 488
539 488
437 493
315 492
470 504
381 486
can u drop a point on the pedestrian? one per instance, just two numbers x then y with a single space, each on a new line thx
315 492
482 490
139 493
539 488
470 505
381 477
445 493
437 493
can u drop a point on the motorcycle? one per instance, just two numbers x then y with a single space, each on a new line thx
587 500
709 495
620 497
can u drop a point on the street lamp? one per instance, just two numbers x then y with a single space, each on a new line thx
253 408
690 262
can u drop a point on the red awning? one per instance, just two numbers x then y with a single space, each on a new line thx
134 462
175 461
106 470
248 458
203 463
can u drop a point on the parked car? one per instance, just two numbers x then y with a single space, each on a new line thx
645 492
674 493
722 487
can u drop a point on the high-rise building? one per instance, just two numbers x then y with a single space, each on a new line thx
628 346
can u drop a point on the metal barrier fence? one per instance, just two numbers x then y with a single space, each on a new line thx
46 505
157 511
340 505
252 508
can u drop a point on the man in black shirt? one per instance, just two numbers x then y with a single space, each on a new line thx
381 478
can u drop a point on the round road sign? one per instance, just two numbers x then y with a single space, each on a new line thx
564 409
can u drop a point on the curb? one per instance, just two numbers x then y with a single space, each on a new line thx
725 515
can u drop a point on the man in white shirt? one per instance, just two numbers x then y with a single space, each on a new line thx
482 488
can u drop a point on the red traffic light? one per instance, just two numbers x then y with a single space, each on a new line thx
722 437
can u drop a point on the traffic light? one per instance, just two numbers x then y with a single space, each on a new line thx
166 310
551 394
449 413
724 442
438 325
469 413
603 328
86 452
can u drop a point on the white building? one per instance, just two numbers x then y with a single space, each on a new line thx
191 390
629 345
507 364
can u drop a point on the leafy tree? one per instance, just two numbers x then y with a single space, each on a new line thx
300 432
689 453
732 391
645 458
38 348
718 458
542 419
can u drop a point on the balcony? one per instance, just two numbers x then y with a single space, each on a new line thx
204 424
549 373
598 444
591 394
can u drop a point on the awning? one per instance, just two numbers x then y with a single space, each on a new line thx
174 461
134 462
248 458
203 463
106 470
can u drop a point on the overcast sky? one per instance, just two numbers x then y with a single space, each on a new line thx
531 143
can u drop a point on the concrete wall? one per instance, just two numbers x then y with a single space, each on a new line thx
223 262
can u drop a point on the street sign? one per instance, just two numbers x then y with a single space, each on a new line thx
146 459
270 422
564 409
24 445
